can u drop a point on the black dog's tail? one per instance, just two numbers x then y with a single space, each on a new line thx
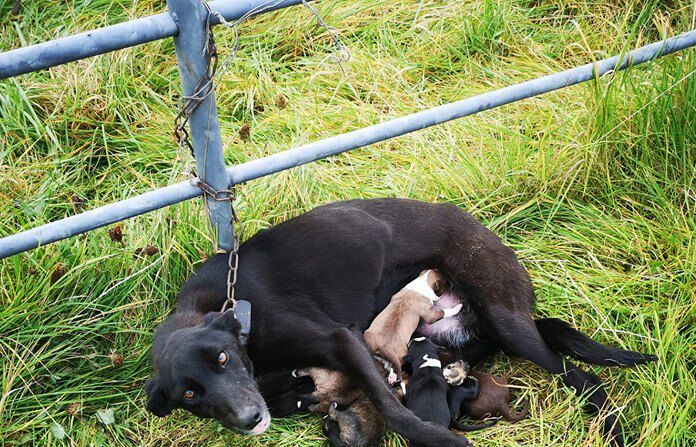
455 424
562 338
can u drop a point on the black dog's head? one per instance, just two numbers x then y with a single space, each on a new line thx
205 370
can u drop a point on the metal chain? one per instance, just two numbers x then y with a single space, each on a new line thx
187 105
205 86
232 266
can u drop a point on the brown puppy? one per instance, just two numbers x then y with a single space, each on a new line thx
359 425
390 332
493 399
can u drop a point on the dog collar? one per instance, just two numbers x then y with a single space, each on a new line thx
430 363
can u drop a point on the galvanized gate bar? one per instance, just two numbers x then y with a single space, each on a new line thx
114 37
438 115
193 58
179 192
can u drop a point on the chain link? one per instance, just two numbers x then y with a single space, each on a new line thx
232 267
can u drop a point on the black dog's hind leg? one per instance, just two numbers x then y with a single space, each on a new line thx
348 354
501 294
519 335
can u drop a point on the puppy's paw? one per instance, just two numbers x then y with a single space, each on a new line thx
330 427
333 412
392 377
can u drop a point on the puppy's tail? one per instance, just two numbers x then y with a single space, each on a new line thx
516 417
455 424
562 338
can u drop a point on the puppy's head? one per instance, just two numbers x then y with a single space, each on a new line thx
422 351
205 370
436 280
456 372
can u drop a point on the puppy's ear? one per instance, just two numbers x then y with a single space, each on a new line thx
225 322
157 401
439 287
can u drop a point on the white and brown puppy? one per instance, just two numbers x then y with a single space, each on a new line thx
390 332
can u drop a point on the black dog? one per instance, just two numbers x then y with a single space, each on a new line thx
312 277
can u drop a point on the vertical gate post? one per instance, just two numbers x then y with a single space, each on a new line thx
191 19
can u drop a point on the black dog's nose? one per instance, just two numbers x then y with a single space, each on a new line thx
250 419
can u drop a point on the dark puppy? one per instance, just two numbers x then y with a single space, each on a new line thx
426 391
457 396
359 425
493 399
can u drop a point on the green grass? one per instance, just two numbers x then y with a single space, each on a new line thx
594 186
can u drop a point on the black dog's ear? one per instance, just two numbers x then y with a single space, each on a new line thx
408 359
210 317
157 401
224 321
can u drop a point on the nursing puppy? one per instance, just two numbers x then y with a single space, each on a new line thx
493 399
358 425
426 390
389 333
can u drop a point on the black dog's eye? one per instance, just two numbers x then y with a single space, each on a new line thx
188 394
222 358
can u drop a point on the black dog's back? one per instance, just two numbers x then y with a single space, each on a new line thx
426 391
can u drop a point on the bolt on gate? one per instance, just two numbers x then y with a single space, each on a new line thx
187 22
